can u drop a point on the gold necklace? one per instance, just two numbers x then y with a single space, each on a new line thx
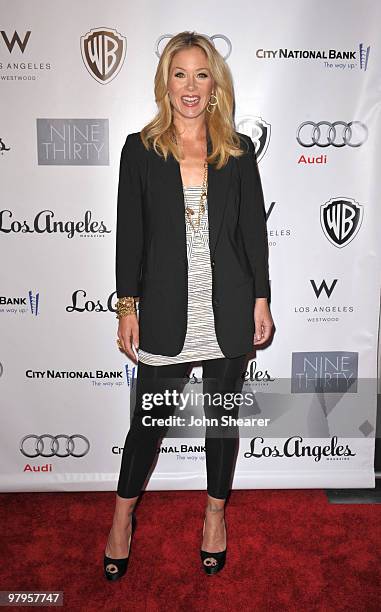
201 209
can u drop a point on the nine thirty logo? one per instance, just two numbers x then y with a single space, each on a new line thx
54 448
353 134
324 372
258 130
73 142
15 39
103 52
226 43
341 219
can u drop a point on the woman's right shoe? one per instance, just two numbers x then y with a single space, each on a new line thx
212 562
116 568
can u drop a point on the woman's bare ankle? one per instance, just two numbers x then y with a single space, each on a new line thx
210 508
215 505
124 509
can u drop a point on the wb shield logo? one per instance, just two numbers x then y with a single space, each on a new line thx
258 130
341 219
103 52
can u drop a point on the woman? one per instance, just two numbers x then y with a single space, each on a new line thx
192 245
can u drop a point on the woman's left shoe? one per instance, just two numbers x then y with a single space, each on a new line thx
212 562
114 569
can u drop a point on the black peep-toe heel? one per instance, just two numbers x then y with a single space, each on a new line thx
120 565
212 562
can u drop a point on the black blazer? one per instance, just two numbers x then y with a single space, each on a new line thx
151 256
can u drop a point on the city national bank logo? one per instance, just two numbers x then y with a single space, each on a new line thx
20 305
295 448
108 378
103 52
170 450
341 219
258 130
73 142
21 67
339 59
324 372
44 223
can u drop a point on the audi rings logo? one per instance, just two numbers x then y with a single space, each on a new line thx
60 445
336 134
226 46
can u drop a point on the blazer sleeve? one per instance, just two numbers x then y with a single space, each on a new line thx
252 220
129 223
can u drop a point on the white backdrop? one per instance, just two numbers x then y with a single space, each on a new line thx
67 107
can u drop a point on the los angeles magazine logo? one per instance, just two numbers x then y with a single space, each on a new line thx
294 447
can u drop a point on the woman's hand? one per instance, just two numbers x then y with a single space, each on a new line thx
128 334
263 321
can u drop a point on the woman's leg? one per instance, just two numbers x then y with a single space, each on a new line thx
220 376
141 441
140 449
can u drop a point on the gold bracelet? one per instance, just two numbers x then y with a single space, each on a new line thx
125 306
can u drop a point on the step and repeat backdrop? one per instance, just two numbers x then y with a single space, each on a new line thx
76 78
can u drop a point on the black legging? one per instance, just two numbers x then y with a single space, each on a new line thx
140 448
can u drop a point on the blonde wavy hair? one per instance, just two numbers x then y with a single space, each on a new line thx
160 133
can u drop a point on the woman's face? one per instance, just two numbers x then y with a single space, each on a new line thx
190 82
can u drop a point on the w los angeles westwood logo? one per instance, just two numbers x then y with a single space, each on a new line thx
341 220
103 51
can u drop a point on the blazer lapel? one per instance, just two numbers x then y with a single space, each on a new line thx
218 187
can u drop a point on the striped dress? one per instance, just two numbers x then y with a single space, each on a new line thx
200 340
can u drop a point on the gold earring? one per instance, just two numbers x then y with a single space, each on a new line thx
212 104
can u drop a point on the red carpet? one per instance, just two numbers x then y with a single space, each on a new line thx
287 550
